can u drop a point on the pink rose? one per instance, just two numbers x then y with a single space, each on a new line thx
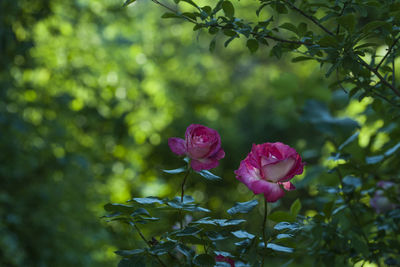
380 202
220 258
268 168
201 144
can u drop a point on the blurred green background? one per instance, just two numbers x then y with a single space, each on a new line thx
90 93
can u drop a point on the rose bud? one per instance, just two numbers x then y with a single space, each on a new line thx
202 145
380 203
220 258
268 168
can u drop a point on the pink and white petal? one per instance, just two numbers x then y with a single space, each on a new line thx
204 164
177 145
273 192
247 173
288 186
277 171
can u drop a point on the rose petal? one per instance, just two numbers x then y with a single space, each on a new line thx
288 186
219 155
247 173
204 164
177 145
277 171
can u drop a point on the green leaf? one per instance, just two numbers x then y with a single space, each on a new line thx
175 171
349 141
212 45
327 41
115 207
252 45
243 234
168 15
289 27
301 58
347 21
148 200
243 207
204 260
188 231
281 216
379 158
281 8
140 211
208 175
279 248
372 26
286 226
136 260
185 250
129 253
162 248
128 2
228 9
295 208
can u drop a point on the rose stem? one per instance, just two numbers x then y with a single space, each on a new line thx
144 239
183 192
263 226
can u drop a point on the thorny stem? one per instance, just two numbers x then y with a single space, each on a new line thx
147 242
387 53
263 227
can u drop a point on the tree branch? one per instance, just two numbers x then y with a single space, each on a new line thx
380 77
387 53
316 22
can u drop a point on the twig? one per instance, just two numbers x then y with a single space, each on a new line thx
145 240
387 53
174 11
316 22
263 227
374 71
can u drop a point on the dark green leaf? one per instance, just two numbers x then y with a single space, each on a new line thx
243 207
228 9
281 216
289 27
301 58
140 211
347 21
279 248
162 248
185 250
115 207
204 260
212 45
188 231
128 253
148 200
295 208
136 260
252 45
168 15
243 234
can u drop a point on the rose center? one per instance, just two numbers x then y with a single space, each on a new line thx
275 172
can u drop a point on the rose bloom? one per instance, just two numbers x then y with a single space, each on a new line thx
380 203
220 258
268 168
202 145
